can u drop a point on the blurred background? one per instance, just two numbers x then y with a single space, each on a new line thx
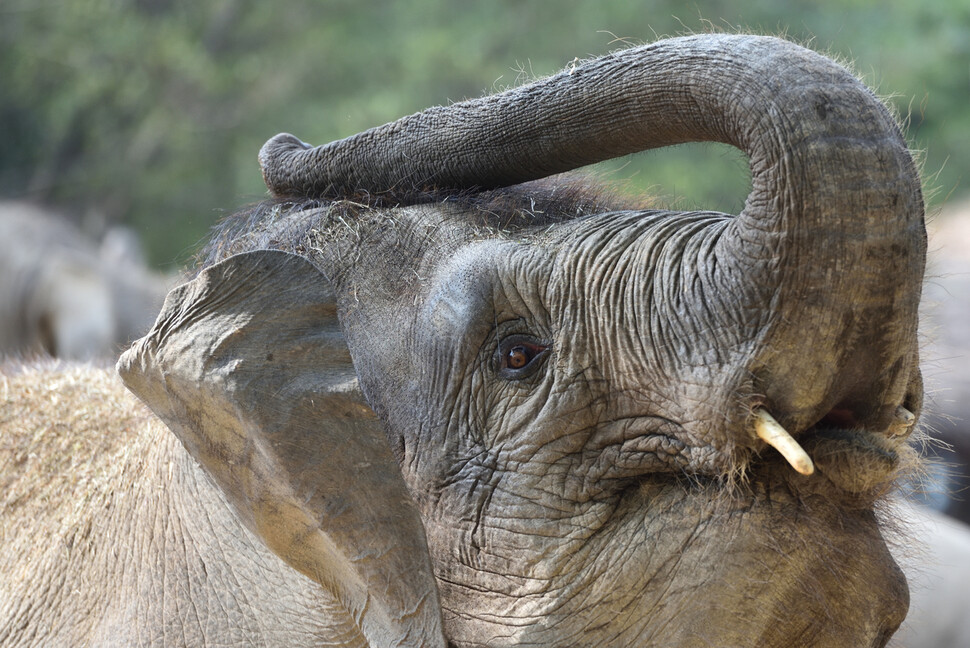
149 113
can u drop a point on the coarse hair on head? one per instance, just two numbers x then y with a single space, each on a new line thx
284 223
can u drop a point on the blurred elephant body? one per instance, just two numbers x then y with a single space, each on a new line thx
936 559
470 407
62 296
946 324
137 547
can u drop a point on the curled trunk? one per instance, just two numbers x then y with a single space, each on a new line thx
827 254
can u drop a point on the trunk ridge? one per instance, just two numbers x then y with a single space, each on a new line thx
830 243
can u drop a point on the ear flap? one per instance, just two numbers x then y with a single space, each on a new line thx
248 367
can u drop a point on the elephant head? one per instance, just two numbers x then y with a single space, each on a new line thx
530 415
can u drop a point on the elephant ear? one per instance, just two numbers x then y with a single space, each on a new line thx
248 367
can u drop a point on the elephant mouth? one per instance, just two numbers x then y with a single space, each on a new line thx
861 460
855 457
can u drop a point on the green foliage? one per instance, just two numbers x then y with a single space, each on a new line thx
150 112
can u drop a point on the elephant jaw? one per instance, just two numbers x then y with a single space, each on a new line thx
705 539
673 565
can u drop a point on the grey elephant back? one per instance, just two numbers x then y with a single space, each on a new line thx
63 296
945 325
936 558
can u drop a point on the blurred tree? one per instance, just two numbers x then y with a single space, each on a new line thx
150 112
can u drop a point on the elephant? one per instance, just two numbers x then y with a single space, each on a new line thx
938 570
936 561
430 395
64 297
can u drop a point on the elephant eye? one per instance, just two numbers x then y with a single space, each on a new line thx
518 356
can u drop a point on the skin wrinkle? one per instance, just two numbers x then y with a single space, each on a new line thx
678 366
674 561
657 326
233 587
612 567
504 519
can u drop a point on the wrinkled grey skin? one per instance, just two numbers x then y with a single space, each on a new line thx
522 418
62 296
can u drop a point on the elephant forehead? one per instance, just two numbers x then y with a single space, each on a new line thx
460 290
483 283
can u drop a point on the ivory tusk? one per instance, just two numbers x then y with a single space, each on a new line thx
771 432
904 416
902 422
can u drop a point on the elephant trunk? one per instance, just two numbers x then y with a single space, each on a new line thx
827 254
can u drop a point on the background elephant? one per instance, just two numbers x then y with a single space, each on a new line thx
935 557
63 296
527 416
129 542
946 313
937 569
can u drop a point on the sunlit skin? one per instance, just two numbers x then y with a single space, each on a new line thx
436 398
